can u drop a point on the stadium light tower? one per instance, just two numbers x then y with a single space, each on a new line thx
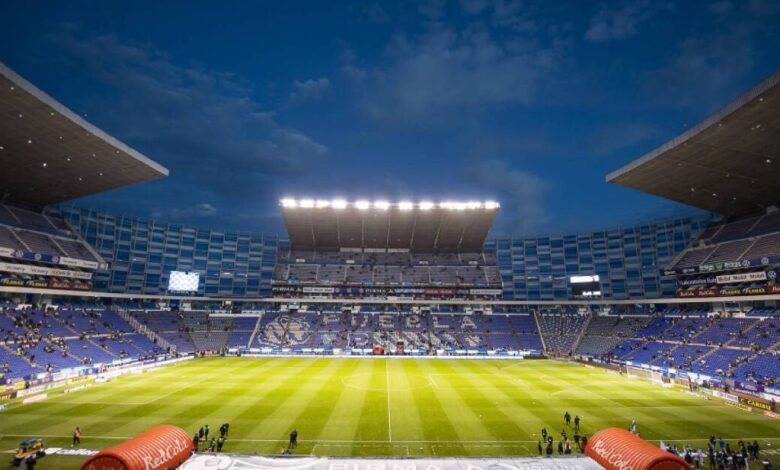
338 204
406 205
289 202
306 203
426 205
362 205
381 205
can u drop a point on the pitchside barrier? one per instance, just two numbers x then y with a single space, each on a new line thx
159 448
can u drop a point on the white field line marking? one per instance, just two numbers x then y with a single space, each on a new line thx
513 365
373 442
389 419
432 380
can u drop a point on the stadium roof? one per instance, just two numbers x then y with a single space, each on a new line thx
48 154
420 227
728 164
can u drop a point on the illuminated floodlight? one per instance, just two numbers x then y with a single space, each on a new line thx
362 205
287 202
406 205
322 203
306 203
338 204
446 205
426 205
491 205
459 206
382 205
581 279
474 205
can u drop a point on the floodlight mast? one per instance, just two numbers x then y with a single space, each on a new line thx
383 205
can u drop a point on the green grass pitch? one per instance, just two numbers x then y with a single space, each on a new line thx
375 407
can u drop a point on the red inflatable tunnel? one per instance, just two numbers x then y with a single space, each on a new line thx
161 447
618 449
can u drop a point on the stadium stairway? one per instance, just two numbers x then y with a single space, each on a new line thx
582 333
539 329
256 330
141 328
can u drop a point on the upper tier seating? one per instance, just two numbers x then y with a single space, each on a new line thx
387 269
750 238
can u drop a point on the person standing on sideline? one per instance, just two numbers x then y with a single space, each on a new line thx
220 443
577 423
539 446
76 436
293 439
206 431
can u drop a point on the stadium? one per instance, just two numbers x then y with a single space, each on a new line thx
388 333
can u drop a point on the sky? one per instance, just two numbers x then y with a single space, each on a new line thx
530 103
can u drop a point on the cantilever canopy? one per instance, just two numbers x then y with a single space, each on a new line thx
415 229
728 164
48 154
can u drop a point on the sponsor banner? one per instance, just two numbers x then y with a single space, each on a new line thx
708 292
740 406
709 281
772 414
726 396
748 387
42 271
35 398
729 265
742 277
81 263
773 289
71 452
485 291
318 290
39 257
757 290
36 283
206 462
6 252
439 291
755 403
381 291
9 281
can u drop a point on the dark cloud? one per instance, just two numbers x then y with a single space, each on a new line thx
705 70
612 24
309 89
444 71
376 13
205 125
609 139
522 196
473 7
432 9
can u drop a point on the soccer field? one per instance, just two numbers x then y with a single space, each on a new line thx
376 407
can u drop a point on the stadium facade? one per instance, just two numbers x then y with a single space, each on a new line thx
142 252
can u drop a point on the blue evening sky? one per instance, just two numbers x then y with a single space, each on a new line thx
530 103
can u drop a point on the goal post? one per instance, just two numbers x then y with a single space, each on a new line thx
647 374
